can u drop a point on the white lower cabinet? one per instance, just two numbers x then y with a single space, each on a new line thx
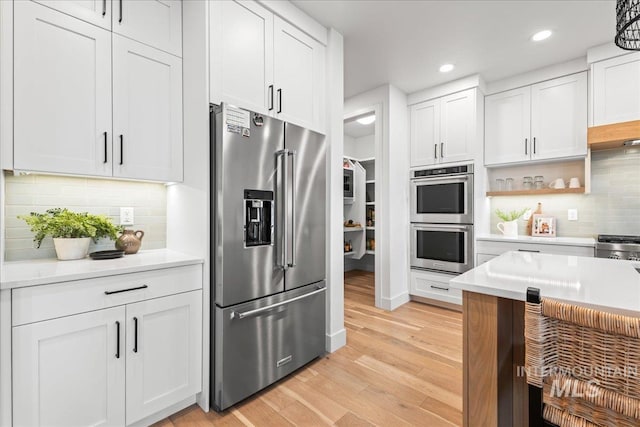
486 250
163 353
435 286
70 371
110 367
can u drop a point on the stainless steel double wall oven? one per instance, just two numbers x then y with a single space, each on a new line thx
268 283
442 218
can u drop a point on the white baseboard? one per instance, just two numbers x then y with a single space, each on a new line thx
394 302
160 415
336 340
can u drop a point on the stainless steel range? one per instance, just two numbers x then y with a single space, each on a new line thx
618 247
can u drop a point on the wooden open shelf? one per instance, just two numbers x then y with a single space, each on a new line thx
535 192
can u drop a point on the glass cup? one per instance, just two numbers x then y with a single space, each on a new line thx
499 184
527 183
539 182
509 184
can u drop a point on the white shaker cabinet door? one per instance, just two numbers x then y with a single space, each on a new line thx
71 371
62 93
458 126
156 23
164 348
559 117
425 133
508 127
242 55
616 90
147 112
97 12
299 76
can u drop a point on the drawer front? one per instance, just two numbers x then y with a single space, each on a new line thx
498 248
37 303
427 284
482 258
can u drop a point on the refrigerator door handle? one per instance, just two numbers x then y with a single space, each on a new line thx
284 154
292 153
243 314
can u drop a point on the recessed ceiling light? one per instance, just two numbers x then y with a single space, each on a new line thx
367 120
446 68
541 35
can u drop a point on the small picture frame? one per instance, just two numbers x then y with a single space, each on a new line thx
544 226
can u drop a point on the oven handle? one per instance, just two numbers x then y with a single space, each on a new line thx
437 227
442 178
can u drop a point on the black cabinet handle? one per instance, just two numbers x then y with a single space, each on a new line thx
440 288
120 17
528 250
135 334
121 149
104 7
279 100
105 147
435 151
270 97
526 143
117 340
125 290
534 145
442 150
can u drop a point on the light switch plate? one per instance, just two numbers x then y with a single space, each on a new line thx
572 214
126 216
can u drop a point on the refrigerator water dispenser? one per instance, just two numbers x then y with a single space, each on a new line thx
258 218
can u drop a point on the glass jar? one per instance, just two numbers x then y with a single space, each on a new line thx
499 184
538 182
508 184
527 183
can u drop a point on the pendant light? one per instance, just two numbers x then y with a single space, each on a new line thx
628 24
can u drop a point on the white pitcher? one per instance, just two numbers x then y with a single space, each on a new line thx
508 228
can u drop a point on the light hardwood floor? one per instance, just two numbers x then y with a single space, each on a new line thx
398 368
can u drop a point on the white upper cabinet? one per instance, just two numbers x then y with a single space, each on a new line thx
545 121
458 126
147 112
616 90
265 64
62 93
164 343
156 23
559 117
298 75
97 12
507 126
443 130
425 133
79 359
242 66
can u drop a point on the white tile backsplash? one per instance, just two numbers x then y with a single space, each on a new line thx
37 193
613 207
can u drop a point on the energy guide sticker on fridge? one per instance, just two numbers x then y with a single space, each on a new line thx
238 121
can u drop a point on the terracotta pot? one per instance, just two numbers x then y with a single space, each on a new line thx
71 248
130 241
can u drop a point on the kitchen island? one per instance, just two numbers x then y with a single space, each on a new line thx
494 296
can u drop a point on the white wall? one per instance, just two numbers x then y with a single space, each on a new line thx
363 147
392 188
336 334
188 203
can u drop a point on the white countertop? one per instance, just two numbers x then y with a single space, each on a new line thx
44 271
600 283
571 241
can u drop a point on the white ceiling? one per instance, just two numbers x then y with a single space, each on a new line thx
404 42
355 130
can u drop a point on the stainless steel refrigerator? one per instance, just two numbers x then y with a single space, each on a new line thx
268 283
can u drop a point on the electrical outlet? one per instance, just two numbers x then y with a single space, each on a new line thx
527 215
572 214
126 216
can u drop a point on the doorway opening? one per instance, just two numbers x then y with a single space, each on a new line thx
359 213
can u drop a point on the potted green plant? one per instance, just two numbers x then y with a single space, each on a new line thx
71 231
509 226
